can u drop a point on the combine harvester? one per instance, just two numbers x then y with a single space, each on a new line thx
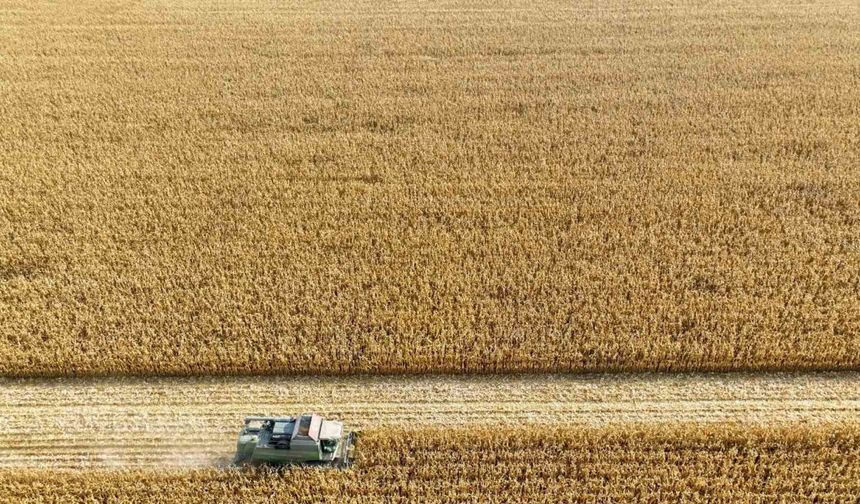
306 439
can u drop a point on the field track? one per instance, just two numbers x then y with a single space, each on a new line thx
183 422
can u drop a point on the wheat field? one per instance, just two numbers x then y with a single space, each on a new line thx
315 193
491 197
555 465
221 187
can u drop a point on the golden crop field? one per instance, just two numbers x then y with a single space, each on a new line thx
554 465
218 208
207 187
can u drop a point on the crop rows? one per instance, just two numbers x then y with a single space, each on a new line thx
534 464
340 187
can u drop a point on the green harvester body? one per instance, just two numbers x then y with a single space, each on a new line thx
305 439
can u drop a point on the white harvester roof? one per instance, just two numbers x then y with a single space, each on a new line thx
331 430
308 426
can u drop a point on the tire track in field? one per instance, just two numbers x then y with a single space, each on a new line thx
143 422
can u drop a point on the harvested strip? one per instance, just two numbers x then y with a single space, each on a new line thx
182 421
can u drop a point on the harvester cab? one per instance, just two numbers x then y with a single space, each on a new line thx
305 439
